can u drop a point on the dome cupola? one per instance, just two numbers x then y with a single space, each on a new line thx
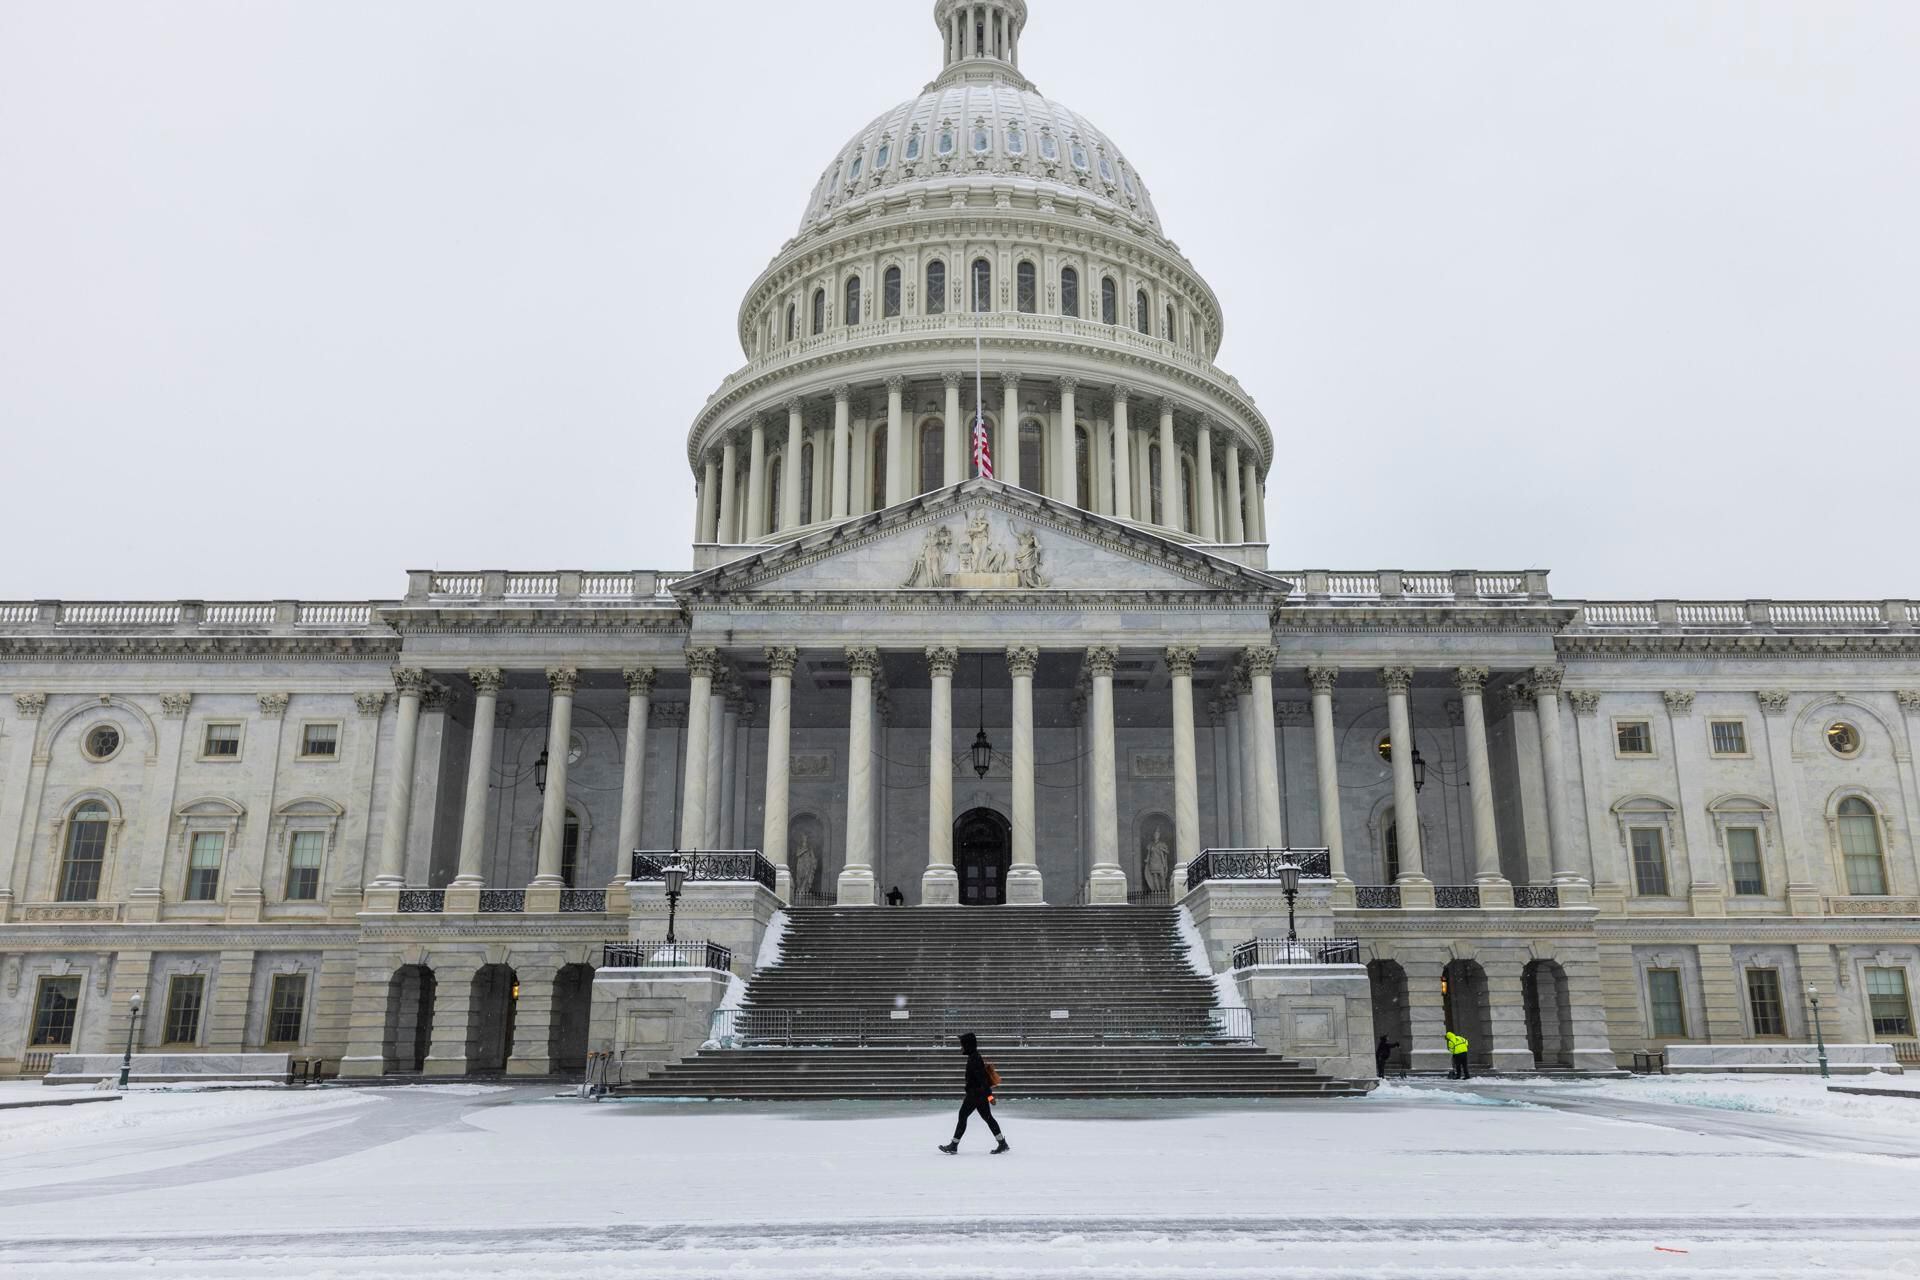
981 31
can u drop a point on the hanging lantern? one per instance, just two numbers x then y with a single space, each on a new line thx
1419 771
540 772
982 753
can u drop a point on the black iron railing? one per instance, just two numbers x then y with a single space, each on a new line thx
1377 897
1536 895
734 1028
1257 864
667 955
422 902
716 864
1257 951
582 901
502 901
1456 897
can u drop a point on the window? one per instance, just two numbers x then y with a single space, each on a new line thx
55 1005
852 315
222 741
982 285
320 741
303 865
1729 737
793 330
203 866
884 155
933 455
1078 154
1168 335
86 853
287 1008
819 311
943 141
1632 738
1763 1002
1142 317
1859 828
859 160
879 451
1106 168
1844 739
1393 852
936 287
184 992
1016 139
570 849
1109 301
1887 1002
982 140
913 146
1026 291
1649 862
1033 456
890 293
102 742
1069 292
1743 851
1664 1002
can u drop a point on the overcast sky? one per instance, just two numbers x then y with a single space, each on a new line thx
297 296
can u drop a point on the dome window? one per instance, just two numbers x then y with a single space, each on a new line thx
884 155
1106 169
913 146
793 323
1078 154
1109 301
1142 316
890 293
1026 288
982 285
819 311
1016 139
1049 147
982 140
1126 180
936 287
853 174
853 300
943 145
1069 292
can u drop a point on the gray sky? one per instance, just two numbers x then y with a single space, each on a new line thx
297 296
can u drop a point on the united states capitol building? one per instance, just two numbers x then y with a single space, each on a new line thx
397 834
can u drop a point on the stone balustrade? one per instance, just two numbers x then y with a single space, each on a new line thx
1758 617
562 586
193 617
1404 586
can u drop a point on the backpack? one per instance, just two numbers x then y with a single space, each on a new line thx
993 1076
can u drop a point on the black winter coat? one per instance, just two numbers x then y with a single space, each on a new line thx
979 1087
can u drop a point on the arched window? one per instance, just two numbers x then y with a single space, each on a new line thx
793 322
86 853
936 288
913 145
1109 301
770 518
982 285
1859 828
853 301
1033 456
1393 852
933 456
879 454
1027 288
806 483
1169 334
819 311
1069 292
1082 466
890 293
570 849
1142 314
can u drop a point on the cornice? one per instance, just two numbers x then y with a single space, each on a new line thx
278 935
1897 646
135 648
655 619
1294 619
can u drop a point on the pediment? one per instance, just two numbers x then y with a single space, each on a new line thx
981 536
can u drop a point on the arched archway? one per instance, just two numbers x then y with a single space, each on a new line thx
1543 988
572 1006
1388 983
409 1023
982 849
496 989
1463 1002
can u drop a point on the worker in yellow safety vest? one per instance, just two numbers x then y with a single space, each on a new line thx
1457 1046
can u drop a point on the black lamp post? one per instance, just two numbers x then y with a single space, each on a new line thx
1813 997
1419 772
133 1026
1289 873
675 875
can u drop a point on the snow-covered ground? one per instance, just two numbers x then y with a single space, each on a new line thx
1667 1177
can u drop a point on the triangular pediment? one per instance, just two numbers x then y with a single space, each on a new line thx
981 536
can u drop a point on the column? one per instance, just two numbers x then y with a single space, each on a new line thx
1326 767
856 884
820 494
1472 682
940 884
1236 521
729 465
1100 468
1546 702
790 469
409 683
1172 497
757 481
1243 751
693 805
842 448
1023 876
1108 882
1803 884
1266 757
1186 768
1006 458
1142 478
728 837
473 815
773 821
633 767
1209 529
1256 502
896 441
1123 460
553 812
716 797
1398 681
953 466
709 496
1068 488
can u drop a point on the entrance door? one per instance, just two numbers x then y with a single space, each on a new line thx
982 847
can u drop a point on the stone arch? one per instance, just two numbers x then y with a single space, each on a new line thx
495 993
1381 819
1548 1010
572 1009
1883 828
103 702
408 1031
1466 1005
1806 729
1387 981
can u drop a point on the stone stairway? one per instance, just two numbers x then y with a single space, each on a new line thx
1068 1002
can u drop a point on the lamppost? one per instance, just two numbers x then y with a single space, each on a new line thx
675 874
1289 874
133 1026
1813 997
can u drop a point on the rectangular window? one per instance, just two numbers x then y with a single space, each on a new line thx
1664 1002
1633 737
55 1006
1743 851
184 991
222 742
1763 1001
86 856
287 1009
1729 737
1887 1002
303 865
1649 862
320 741
570 850
203 866
1860 845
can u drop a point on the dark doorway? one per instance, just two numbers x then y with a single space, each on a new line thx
409 1028
490 1024
982 847
572 1008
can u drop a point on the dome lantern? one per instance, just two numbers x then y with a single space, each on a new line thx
979 31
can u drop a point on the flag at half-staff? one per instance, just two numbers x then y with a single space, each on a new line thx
982 451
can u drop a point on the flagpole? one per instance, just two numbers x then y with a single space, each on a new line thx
979 406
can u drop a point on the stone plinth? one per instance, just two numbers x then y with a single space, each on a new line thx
733 913
1230 912
1321 1014
648 1018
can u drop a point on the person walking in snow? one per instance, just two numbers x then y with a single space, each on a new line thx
1380 1052
1457 1046
980 1081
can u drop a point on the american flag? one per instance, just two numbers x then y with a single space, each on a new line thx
982 455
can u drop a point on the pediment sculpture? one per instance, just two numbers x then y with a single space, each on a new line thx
982 564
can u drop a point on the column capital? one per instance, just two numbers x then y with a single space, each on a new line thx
432 698
1322 679
274 705
172 705
863 660
793 405
367 704
1679 701
1168 406
1209 424
942 659
757 424
703 662
1470 679
1909 699
781 660
639 680
951 379
486 679
1122 393
1773 702
896 383
1180 659
1101 659
1585 701
1067 384
409 680
562 679
1009 382
29 705
1396 679
669 715
1260 657
1547 679
1022 659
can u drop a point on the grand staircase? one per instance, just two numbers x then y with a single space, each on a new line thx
1068 1002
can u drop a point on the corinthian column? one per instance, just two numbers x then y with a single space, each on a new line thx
1023 876
1068 487
842 448
1266 758
940 884
1108 882
701 664
1123 459
896 441
1209 531
553 812
1472 682
1172 493
856 878
1398 681
1006 455
633 767
1553 760
729 529
1186 768
790 469
773 821
473 815
409 683
1326 767
709 495
1236 524
953 440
